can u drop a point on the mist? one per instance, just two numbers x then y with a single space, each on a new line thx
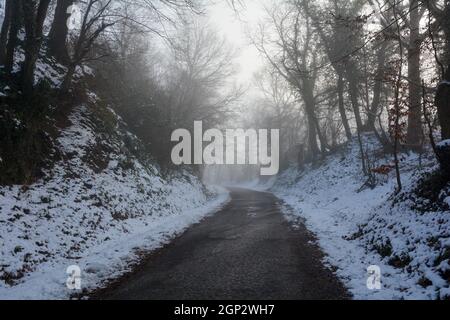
237 150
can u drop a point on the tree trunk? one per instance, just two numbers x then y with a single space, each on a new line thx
14 28
58 32
312 134
307 94
34 23
445 24
353 91
414 132
5 29
378 86
443 105
323 141
340 88
67 82
443 92
28 8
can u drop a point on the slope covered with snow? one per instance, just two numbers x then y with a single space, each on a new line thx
98 208
359 227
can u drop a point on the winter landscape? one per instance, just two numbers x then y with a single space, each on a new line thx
227 149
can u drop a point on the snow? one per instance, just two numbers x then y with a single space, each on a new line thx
447 201
52 74
99 221
443 143
350 226
76 138
2 11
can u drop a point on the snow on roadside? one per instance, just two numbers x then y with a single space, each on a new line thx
99 221
357 229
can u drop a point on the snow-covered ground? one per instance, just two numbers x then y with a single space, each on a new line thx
98 220
359 228
2 10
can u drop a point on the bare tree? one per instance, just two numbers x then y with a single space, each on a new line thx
14 26
34 16
96 19
441 12
99 16
5 29
415 132
277 108
57 36
295 59
335 45
202 62
396 112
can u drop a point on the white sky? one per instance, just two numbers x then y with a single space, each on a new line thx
235 29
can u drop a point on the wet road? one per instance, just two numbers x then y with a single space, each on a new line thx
247 250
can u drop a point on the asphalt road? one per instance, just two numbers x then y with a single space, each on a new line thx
247 250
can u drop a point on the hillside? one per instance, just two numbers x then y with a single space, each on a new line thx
406 235
189 149
98 207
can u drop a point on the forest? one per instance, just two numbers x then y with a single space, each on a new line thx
91 92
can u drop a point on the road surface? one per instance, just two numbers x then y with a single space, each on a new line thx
247 250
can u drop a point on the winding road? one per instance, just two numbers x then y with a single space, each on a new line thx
247 250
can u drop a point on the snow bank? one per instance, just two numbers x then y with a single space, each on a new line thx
357 229
444 143
99 221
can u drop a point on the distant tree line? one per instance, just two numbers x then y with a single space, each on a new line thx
357 67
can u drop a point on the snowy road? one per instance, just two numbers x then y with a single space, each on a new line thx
247 250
